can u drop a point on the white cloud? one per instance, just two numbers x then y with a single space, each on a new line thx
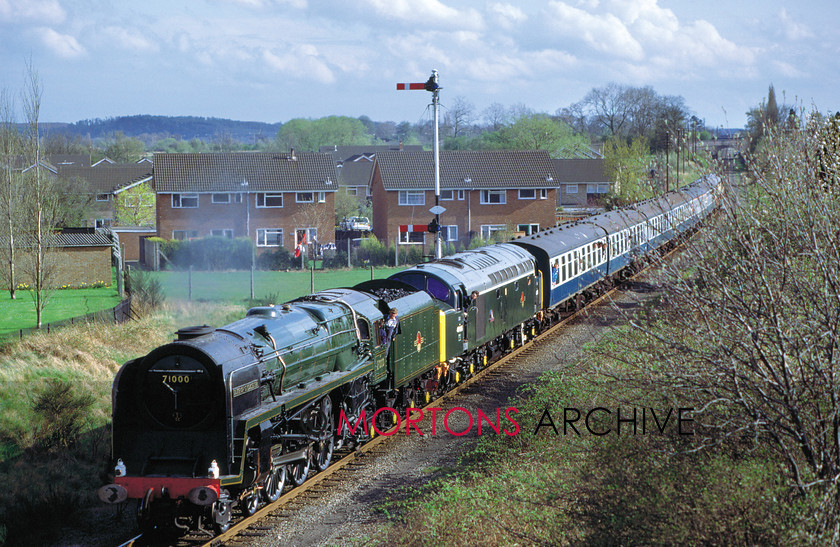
603 32
506 15
301 62
793 30
129 39
43 11
427 12
788 70
63 45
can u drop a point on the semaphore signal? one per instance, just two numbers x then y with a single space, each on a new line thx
431 85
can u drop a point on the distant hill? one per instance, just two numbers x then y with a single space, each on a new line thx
149 127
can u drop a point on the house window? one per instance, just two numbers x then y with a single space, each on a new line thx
305 197
603 188
527 193
220 198
311 235
528 228
461 195
222 233
449 232
543 193
184 234
487 230
103 222
103 197
270 237
412 197
184 201
492 197
269 200
447 195
412 238
591 188
352 190
237 198
322 197
571 189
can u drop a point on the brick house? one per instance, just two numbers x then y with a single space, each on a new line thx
582 182
354 164
104 181
482 191
271 198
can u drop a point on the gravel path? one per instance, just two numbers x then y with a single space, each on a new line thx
347 513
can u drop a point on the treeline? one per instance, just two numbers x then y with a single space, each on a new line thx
179 127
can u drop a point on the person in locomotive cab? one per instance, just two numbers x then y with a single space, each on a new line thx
392 326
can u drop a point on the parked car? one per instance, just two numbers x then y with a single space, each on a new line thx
356 223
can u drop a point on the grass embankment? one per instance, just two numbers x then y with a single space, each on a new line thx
276 286
55 404
62 304
615 489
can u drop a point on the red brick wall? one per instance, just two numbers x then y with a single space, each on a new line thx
468 214
233 216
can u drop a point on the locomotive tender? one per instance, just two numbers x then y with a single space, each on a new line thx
225 416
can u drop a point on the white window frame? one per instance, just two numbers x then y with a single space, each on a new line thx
237 198
406 238
222 232
487 230
179 199
543 193
412 197
445 193
322 197
487 199
107 197
352 190
603 188
186 234
263 239
571 188
591 188
265 197
311 235
533 192
461 195
299 199
531 228
450 232
220 198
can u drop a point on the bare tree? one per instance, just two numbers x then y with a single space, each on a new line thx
41 202
495 116
10 149
750 336
460 115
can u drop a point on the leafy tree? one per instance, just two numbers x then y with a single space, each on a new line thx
628 164
541 132
346 205
309 135
123 149
135 206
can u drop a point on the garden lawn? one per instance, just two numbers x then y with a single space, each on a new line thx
62 304
275 286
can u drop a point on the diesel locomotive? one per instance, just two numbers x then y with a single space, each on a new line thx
227 416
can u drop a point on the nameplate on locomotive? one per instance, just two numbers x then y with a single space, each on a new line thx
245 388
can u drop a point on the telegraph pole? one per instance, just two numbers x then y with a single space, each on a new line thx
434 88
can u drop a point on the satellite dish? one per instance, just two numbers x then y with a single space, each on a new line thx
437 210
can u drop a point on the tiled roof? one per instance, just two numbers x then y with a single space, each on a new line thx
342 153
468 169
580 170
226 172
355 173
106 179
63 239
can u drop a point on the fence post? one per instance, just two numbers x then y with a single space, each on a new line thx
189 284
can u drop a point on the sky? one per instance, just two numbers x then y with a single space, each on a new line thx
274 60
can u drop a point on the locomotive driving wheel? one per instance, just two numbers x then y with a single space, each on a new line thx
322 451
274 484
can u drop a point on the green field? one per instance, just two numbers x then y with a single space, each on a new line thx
20 313
235 286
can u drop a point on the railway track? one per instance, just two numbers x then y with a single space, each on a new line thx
346 461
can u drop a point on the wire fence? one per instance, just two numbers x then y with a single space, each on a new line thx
118 314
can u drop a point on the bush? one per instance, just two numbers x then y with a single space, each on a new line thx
211 253
279 259
61 415
145 290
